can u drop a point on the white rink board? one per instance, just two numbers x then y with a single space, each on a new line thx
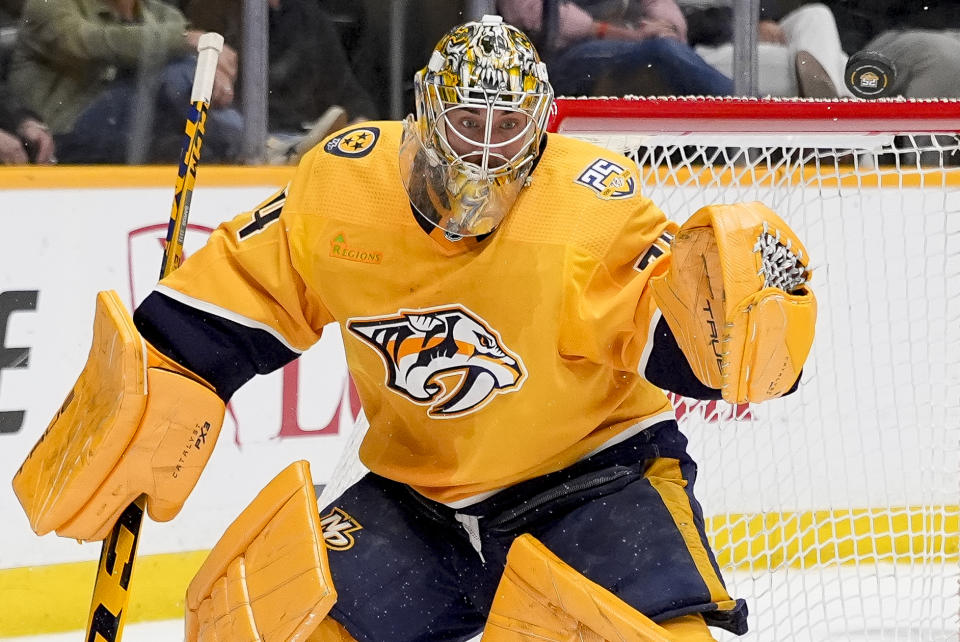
76 242
90 241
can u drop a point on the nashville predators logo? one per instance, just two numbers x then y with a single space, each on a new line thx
338 528
608 180
355 143
446 358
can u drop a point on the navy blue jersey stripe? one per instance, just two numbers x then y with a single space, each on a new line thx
223 352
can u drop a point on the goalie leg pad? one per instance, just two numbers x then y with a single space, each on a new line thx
737 301
267 579
330 631
131 425
689 628
540 597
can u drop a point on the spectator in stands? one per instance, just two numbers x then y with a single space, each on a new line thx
615 48
23 136
921 39
860 21
10 11
798 54
91 67
926 63
382 69
9 18
312 88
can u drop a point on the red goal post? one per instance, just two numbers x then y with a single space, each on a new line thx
833 511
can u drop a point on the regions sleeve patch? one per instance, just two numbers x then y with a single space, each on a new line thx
608 180
354 143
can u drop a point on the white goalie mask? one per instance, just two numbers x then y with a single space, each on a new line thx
482 107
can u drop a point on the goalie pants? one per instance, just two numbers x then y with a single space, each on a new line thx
407 568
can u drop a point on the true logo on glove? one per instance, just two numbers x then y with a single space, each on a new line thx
714 335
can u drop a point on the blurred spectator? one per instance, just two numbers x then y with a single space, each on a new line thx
617 48
23 137
9 18
380 68
10 11
926 63
91 67
312 89
921 39
798 55
860 21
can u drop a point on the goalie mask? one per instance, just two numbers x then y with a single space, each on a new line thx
482 106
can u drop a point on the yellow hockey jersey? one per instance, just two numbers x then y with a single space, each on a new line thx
479 364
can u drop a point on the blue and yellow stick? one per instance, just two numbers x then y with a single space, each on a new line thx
111 591
210 46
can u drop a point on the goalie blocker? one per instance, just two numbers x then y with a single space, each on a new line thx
736 299
134 423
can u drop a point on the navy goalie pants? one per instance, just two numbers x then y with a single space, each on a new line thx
407 568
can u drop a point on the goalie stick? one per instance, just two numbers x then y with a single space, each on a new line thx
111 591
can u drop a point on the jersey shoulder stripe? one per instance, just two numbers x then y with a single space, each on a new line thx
204 342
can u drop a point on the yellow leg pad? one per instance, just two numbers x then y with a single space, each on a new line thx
689 628
330 631
267 579
542 598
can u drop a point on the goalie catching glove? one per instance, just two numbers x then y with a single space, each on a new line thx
134 423
736 299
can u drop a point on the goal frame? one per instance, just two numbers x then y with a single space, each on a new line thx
868 537
732 115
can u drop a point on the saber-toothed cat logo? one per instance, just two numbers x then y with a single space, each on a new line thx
446 358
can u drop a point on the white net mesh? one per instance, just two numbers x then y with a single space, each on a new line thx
833 511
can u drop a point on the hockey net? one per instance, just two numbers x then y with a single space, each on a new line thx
833 511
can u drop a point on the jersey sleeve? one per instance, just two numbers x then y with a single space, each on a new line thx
611 315
239 306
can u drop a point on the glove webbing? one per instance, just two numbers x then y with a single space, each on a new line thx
781 268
